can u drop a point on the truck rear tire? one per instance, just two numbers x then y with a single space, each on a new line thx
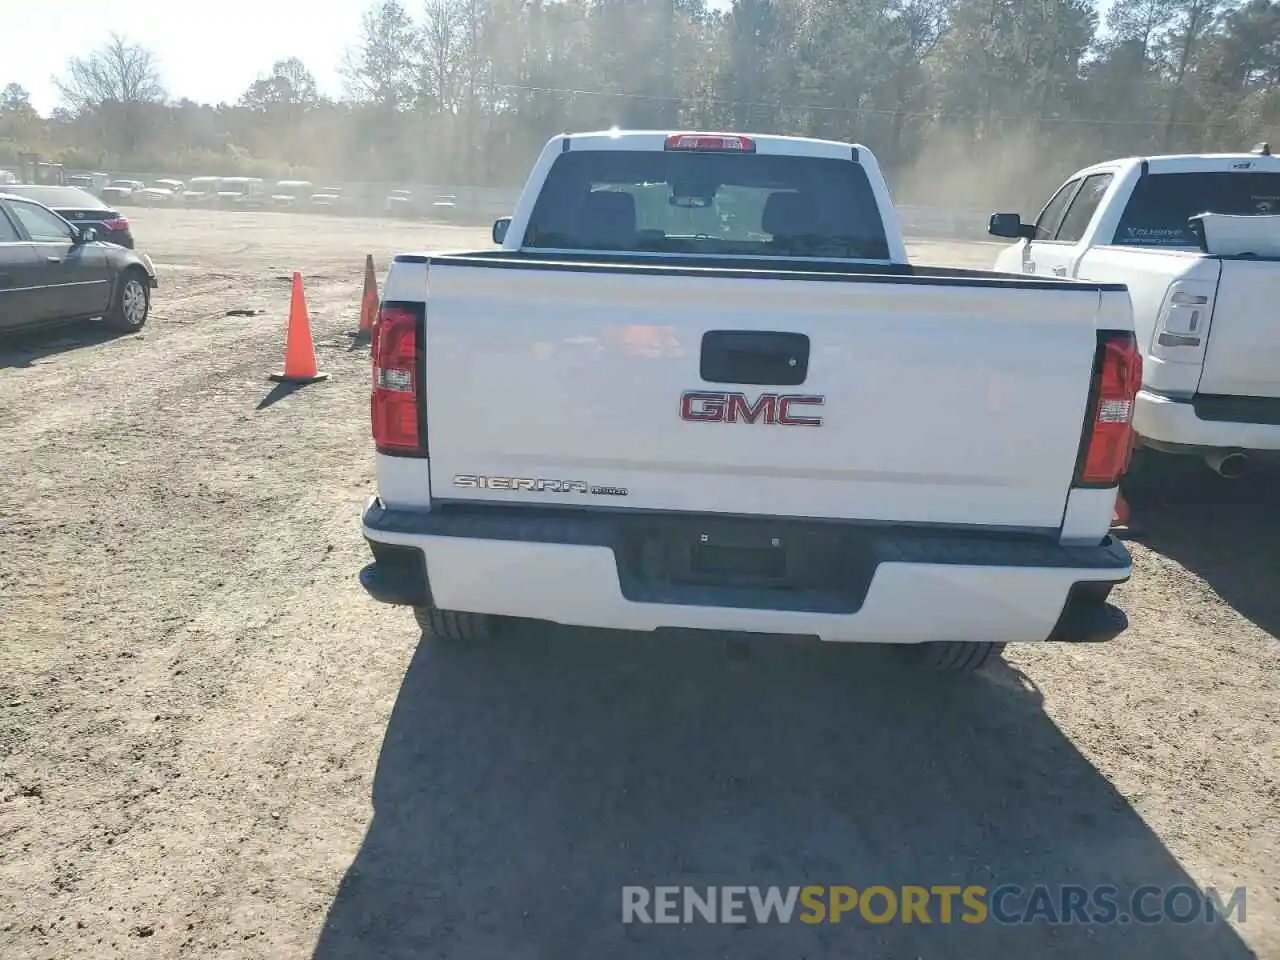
452 625
952 656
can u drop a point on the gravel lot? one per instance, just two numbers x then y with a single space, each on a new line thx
214 745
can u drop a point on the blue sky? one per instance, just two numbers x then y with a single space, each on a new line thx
208 52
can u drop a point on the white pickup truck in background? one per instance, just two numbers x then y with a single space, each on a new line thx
699 386
1205 289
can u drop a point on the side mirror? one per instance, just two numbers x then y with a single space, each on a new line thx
1010 226
85 235
500 227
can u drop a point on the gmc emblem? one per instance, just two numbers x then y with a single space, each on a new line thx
704 406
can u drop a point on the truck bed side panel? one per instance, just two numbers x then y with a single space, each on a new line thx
1150 273
1242 358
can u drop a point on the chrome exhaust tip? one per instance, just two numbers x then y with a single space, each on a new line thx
1231 464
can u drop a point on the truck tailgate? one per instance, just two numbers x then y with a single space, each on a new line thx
942 400
1242 357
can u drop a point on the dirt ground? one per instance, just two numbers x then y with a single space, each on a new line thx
213 744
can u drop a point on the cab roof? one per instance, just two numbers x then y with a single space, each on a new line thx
1190 163
764 143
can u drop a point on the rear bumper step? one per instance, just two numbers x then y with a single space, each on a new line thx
847 582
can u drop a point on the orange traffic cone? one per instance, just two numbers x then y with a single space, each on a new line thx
299 351
368 301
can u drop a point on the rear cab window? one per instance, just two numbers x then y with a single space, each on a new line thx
1162 203
718 204
1083 206
1051 215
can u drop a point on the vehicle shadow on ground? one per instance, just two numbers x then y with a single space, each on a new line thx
1227 532
27 348
523 783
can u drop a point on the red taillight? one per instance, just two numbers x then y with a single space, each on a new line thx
1108 438
119 223
728 142
393 404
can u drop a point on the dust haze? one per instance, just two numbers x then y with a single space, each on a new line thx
966 105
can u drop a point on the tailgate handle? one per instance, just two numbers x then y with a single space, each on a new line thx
759 357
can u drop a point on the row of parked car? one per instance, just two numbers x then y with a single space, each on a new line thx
255 193
67 249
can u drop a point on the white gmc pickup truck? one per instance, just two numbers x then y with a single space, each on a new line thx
1196 239
699 386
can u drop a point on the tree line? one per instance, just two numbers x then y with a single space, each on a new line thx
964 101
